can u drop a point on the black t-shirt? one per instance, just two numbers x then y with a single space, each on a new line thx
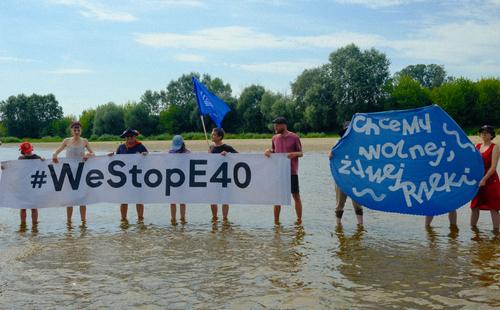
138 148
32 156
221 148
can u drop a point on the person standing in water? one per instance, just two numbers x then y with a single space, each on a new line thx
341 197
131 146
285 141
178 147
27 153
488 197
75 149
220 148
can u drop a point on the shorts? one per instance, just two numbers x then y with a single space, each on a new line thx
295 183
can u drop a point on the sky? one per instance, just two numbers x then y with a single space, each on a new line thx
90 52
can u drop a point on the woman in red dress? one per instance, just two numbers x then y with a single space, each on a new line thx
488 197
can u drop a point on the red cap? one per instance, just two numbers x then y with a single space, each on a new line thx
26 147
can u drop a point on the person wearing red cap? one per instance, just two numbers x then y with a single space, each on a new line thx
488 196
27 153
75 149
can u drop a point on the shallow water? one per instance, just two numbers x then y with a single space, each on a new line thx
392 263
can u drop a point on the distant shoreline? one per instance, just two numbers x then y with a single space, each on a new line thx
242 145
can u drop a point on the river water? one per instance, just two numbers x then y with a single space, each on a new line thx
393 263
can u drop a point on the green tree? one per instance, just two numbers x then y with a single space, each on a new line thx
319 114
429 76
407 94
3 130
180 93
171 120
155 101
357 80
59 127
488 104
109 119
224 92
29 116
249 110
137 116
87 121
459 99
313 96
269 113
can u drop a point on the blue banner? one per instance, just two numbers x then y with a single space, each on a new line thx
415 161
209 104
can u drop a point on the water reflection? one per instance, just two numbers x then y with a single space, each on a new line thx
248 264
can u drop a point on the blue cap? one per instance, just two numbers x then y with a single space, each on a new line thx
177 142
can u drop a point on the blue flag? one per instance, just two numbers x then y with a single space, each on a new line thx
209 103
415 161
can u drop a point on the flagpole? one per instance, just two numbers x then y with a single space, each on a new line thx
205 130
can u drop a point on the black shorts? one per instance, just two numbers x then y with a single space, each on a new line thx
295 184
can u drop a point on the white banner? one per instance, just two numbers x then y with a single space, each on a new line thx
152 178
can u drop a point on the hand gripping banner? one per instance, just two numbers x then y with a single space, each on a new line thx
153 178
415 161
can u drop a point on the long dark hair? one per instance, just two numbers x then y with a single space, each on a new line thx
183 148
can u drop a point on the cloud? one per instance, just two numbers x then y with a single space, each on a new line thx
243 38
95 11
278 67
190 58
374 4
70 71
15 59
464 47
178 3
457 42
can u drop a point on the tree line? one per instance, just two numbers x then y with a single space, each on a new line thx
321 99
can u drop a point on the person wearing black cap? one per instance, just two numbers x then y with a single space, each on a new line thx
488 196
131 146
285 141
341 197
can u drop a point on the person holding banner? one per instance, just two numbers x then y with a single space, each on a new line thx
27 153
178 147
341 197
488 197
75 149
220 148
131 146
285 141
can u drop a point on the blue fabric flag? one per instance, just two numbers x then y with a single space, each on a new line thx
415 161
209 103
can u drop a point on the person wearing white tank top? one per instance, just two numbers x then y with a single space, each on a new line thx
75 148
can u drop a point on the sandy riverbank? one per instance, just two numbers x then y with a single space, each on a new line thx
242 145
